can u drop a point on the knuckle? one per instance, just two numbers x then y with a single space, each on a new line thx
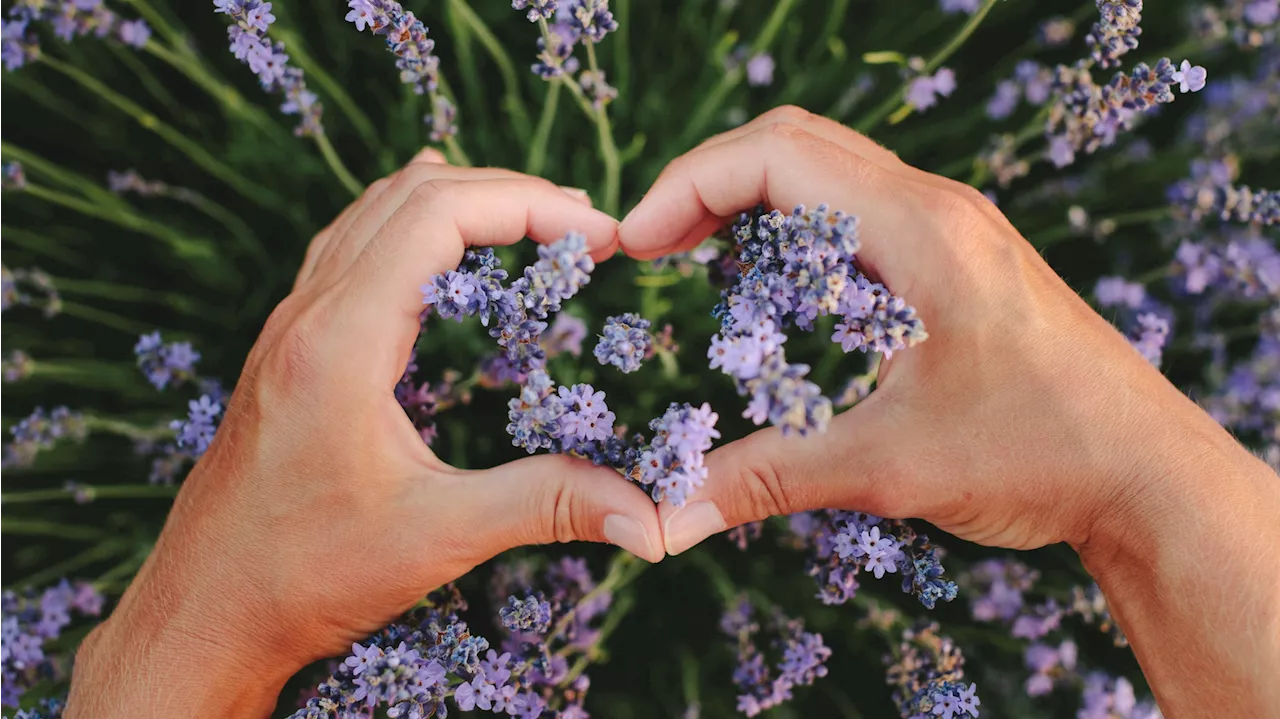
787 114
433 193
764 488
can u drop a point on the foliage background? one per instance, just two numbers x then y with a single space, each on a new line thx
120 275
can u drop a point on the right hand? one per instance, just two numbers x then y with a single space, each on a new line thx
1025 419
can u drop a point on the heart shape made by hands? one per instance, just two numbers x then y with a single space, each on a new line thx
781 271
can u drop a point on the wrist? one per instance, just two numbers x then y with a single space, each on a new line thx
1188 563
153 659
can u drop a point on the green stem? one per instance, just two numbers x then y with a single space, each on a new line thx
252 191
126 429
128 293
511 101
340 170
231 100
188 249
37 165
162 26
1124 219
608 149
884 109
148 79
623 569
706 110
331 88
89 556
538 148
43 528
93 492
46 246
104 318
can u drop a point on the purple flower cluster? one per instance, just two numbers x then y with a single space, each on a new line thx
17 366
1030 80
30 621
787 270
923 91
624 342
423 401
1116 31
964 6
68 19
1226 201
165 364
12 176
250 45
1105 697
415 59
758 66
927 674
846 544
1085 116
587 21
522 309
1248 23
802 658
31 287
430 655
672 465
48 708
1247 399
40 431
195 433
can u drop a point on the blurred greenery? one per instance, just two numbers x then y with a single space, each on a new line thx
185 112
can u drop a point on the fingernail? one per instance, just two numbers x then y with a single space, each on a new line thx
429 154
625 532
690 525
576 193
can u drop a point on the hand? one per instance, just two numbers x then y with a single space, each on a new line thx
1024 420
318 514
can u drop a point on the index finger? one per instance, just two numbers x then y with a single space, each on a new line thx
781 166
379 299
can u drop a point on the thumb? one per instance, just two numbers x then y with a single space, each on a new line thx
554 498
857 464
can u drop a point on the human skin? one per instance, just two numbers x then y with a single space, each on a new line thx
318 514
1024 420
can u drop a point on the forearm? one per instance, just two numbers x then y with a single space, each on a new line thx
162 655
1191 572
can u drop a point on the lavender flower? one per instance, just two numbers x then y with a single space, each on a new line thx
955 6
923 91
196 432
672 465
1105 697
537 9
1048 665
30 622
419 67
165 364
1116 31
624 342
1085 116
789 269
565 336
760 70
803 658
18 45
12 176
1149 336
31 287
250 45
928 676
40 431
17 366
844 544
1119 292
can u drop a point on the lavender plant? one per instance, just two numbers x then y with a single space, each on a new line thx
1164 214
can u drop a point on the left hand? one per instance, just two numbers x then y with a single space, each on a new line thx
318 515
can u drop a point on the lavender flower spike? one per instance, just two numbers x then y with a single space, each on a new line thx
267 60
